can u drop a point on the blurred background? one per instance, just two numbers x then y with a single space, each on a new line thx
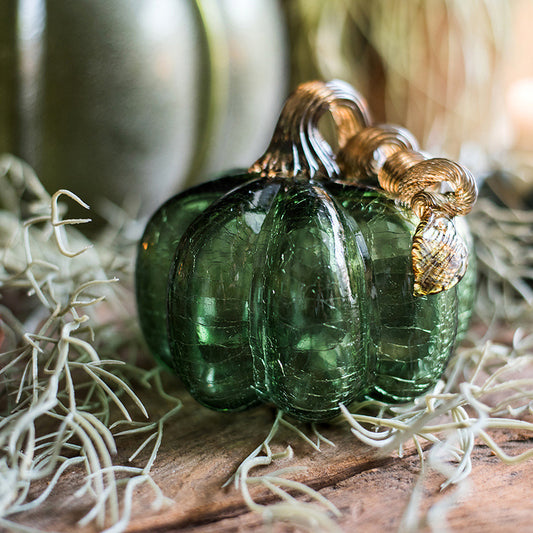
129 101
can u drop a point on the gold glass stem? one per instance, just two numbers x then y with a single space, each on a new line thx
297 147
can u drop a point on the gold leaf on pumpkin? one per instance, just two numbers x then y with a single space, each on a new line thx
439 255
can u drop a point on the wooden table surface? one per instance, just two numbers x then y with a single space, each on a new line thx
201 450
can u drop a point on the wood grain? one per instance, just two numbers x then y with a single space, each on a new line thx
201 450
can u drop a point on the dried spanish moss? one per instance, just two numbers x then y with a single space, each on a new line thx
504 250
62 398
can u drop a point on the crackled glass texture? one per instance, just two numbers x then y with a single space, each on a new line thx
293 291
156 250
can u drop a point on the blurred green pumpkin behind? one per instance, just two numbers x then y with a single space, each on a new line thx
127 99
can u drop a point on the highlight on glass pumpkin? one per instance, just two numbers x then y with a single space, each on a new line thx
312 278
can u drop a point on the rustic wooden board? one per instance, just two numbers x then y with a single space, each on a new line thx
201 449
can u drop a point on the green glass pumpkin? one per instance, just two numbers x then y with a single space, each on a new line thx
290 286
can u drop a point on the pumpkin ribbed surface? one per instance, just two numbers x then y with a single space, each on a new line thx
293 291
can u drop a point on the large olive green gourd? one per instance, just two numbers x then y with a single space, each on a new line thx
8 76
127 99
292 286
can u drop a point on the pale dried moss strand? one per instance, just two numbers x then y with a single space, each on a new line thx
42 255
442 420
504 248
315 517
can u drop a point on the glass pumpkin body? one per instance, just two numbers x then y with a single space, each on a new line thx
295 291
